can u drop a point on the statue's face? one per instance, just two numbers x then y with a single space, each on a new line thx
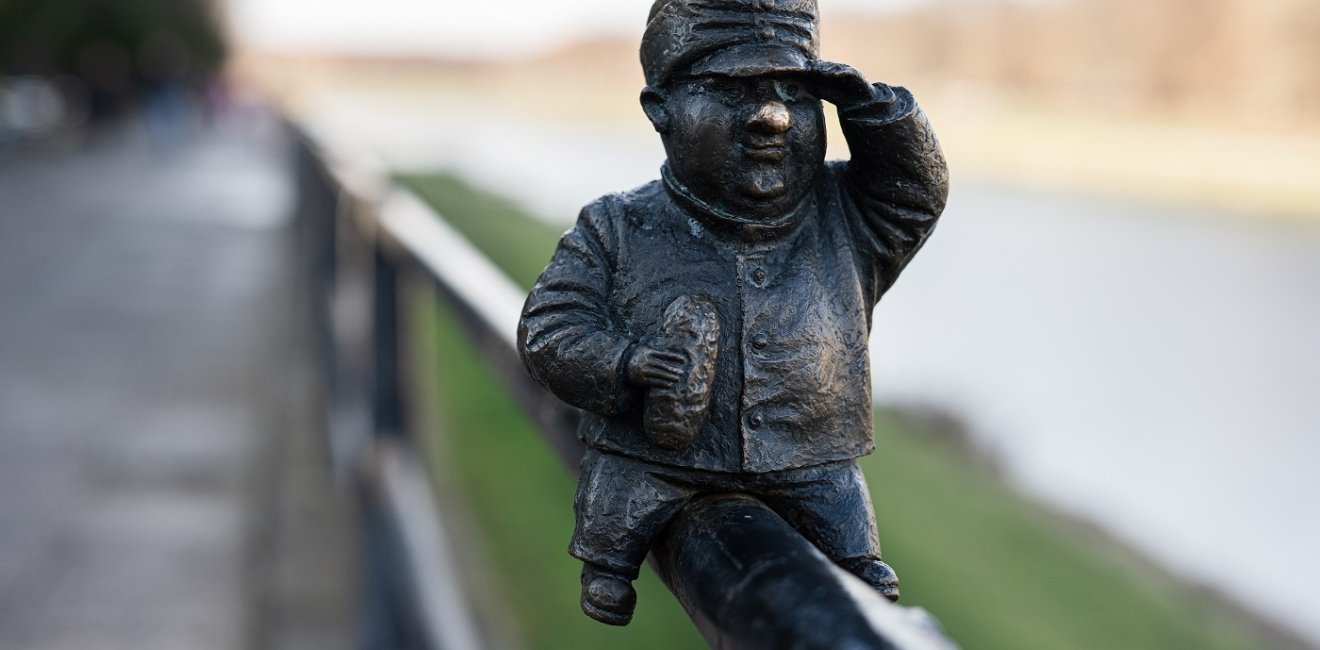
749 145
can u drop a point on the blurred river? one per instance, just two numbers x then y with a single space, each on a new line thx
1154 369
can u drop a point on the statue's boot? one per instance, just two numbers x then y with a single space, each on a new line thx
607 596
875 573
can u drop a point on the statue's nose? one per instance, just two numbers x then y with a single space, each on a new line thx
772 117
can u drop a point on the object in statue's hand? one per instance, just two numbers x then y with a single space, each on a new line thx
674 415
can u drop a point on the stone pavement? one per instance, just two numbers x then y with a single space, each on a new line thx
161 486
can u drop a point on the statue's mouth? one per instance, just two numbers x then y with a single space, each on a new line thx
765 149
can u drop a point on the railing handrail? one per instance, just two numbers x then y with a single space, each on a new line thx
746 578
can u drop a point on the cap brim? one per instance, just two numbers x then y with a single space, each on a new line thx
753 59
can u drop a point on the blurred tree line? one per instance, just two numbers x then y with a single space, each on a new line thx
1256 58
122 51
1244 63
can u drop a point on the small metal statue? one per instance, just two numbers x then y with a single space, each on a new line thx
713 325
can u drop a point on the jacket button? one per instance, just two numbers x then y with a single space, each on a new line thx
755 420
760 341
758 276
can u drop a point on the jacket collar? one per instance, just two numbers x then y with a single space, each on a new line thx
725 220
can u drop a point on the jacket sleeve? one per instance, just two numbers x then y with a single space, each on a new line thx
567 338
897 182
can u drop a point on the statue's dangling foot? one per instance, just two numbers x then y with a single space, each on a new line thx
876 573
607 596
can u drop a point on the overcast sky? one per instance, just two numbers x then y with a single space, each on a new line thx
447 27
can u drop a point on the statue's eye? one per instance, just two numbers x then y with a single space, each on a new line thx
791 91
724 90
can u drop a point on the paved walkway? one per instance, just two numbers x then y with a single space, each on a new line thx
159 483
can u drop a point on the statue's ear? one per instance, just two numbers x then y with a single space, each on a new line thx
656 105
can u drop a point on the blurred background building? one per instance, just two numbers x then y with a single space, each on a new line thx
1118 314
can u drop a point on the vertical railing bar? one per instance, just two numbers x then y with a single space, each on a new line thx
387 404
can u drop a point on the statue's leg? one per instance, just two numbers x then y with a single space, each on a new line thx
831 506
622 504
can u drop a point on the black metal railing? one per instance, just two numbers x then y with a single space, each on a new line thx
745 577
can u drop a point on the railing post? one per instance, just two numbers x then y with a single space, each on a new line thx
390 620
387 400
315 220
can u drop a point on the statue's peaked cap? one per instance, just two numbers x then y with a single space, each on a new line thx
736 37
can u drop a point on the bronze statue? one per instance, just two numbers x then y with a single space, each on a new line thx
713 325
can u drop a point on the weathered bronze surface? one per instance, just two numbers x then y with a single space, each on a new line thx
675 413
713 325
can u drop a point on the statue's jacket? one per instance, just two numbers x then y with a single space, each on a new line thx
792 380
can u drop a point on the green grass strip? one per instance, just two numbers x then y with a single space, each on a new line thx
996 569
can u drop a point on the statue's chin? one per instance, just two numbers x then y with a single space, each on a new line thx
767 194
758 194
764 186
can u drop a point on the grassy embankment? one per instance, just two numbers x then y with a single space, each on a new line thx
997 570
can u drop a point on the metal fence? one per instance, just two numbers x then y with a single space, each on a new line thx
745 577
